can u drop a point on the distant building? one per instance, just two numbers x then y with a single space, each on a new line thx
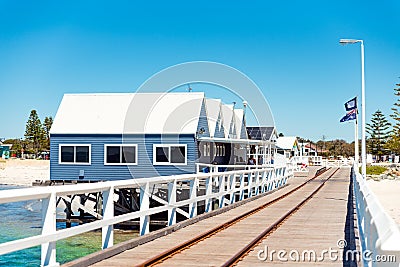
122 136
5 150
288 146
309 149
266 150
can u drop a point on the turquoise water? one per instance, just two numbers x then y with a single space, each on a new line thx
23 219
18 220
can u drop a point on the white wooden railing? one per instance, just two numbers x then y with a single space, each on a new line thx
206 168
379 234
337 163
225 187
319 161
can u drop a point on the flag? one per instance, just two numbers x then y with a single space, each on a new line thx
351 115
351 104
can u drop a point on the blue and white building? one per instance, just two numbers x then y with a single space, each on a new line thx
115 136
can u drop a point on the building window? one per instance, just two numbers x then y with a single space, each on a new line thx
74 154
169 154
125 154
220 151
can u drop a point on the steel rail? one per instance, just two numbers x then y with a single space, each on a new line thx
179 248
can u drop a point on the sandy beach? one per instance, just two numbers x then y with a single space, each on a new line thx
388 193
24 172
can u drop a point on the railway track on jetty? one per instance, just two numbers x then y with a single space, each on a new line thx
230 242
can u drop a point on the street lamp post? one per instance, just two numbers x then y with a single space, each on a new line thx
363 147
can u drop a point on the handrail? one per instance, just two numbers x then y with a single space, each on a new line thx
226 168
379 234
221 186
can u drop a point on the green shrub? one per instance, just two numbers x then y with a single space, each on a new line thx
375 170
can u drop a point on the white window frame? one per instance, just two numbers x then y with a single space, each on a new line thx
121 163
169 156
75 163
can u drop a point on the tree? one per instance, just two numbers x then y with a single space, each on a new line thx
396 112
34 131
47 123
393 143
379 133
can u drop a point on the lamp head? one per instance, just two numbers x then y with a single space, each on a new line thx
349 41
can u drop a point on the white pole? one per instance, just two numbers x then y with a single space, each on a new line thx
363 146
356 153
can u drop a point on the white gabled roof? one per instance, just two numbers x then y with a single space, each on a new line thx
227 113
138 113
238 121
213 108
286 142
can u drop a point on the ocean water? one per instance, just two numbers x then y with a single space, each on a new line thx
23 219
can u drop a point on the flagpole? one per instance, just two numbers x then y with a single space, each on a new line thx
356 154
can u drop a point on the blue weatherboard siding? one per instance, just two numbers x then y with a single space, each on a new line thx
219 129
98 171
203 122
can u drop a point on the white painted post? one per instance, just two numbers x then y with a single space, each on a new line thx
221 184
144 205
193 194
273 179
281 176
172 203
208 206
241 196
257 181
267 180
48 250
250 184
256 156
232 184
107 232
260 181
264 180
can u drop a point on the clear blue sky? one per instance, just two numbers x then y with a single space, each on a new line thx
289 48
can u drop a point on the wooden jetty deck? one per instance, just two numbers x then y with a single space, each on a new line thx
323 220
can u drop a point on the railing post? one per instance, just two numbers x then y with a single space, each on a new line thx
284 176
48 250
268 180
274 178
250 184
208 203
193 195
172 202
257 181
144 205
107 232
241 196
221 184
232 184
263 181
